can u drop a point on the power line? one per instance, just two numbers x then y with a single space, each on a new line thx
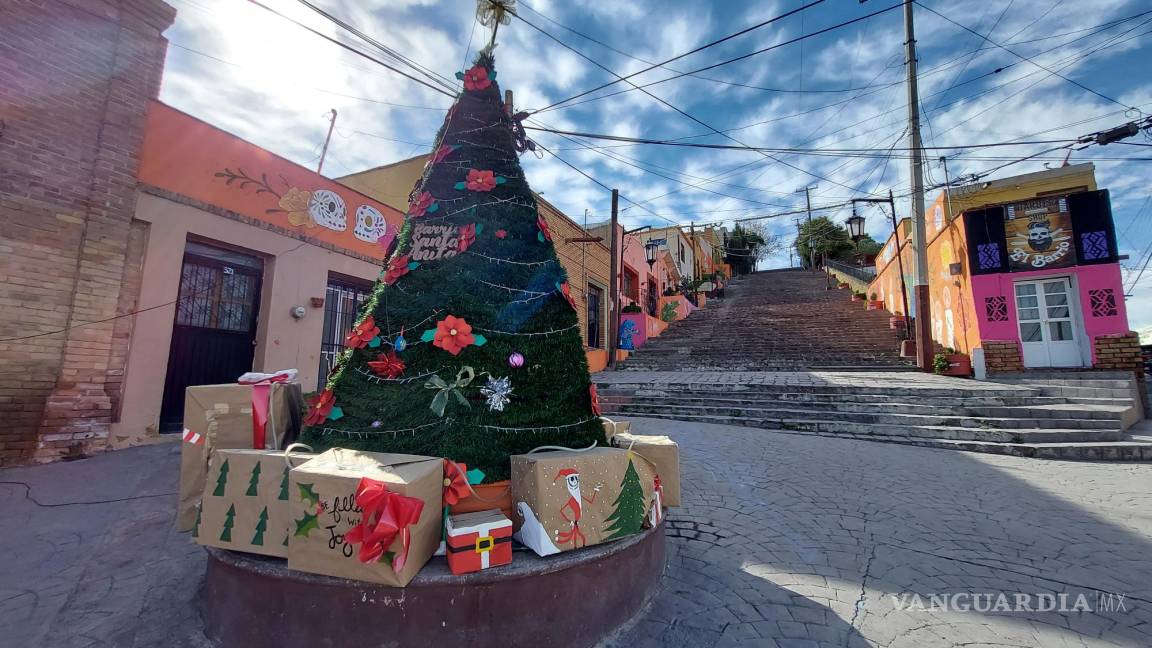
1021 56
354 50
688 53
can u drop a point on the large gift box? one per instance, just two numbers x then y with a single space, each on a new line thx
665 457
364 515
612 428
245 504
221 417
567 499
478 541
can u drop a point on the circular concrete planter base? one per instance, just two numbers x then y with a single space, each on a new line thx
572 599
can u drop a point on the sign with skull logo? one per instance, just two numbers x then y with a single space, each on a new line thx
1039 234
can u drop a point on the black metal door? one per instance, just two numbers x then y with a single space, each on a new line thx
595 299
214 335
341 306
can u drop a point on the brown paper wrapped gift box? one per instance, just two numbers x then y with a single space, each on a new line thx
245 504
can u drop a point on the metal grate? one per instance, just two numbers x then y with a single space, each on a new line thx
342 302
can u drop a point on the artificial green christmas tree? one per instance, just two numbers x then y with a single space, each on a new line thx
469 347
254 481
629 509
229 520
222 480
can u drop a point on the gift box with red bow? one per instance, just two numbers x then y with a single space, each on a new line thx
365 516
478 541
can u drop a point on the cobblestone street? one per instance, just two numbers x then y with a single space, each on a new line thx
784 540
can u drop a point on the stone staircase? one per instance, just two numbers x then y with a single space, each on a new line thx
782 352
776 320
913 408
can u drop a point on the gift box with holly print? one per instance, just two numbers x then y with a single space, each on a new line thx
245 503
364 515
478 541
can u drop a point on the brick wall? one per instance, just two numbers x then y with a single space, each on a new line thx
1002 356
1121 352
584 262
75 81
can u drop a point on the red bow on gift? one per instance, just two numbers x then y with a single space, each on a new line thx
385 515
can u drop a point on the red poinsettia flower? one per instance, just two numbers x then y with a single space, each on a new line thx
455 482
467 237
387 365
442 153
480 180
476 78
595 399
567 291
397 267
543 225
362 334
500 234
420 204
453 334
319 407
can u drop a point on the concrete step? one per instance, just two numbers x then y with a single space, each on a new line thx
611 392
1110 414
1006 427
896 433
621 382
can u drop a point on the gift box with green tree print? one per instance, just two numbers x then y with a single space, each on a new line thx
245 504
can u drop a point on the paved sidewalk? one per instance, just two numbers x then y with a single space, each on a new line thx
783 541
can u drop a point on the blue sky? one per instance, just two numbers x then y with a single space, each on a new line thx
272 83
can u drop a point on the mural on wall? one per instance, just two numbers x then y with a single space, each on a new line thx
1039 234
187 157
313 208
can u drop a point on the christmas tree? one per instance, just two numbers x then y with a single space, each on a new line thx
226 534
469 347
629 511
253 481
261 525
221 480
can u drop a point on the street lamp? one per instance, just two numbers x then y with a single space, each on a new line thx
855 227
650 250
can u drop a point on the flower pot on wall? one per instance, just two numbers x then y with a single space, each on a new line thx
875 305
843 285
857 298
953 364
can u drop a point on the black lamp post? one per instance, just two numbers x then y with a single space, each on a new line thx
650 250
855 227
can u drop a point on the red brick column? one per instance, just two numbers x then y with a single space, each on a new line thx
1002 356
1121 352
75 81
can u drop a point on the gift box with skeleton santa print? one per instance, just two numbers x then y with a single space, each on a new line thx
567 500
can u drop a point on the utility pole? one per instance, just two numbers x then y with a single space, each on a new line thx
811 248
324 151
614 290
919 231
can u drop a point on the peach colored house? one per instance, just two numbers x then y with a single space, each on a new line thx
1023 271
246 262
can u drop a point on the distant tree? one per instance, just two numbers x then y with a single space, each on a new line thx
825 238
749 243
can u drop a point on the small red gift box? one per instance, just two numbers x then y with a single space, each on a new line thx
478 541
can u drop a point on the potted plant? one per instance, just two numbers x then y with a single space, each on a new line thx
858 296
875 304
632 308
950 363
843 285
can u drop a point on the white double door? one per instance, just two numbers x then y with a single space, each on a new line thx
1049 323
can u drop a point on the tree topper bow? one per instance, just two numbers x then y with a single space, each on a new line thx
440 400
493 13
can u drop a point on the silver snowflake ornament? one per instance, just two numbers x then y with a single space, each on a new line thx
498 392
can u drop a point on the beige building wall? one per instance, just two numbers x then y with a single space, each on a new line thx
294 272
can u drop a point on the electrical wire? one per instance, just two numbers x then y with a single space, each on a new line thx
1021 56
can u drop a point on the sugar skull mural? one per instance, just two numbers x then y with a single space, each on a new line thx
327 209
370 225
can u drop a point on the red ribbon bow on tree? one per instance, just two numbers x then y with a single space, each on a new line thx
386 514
